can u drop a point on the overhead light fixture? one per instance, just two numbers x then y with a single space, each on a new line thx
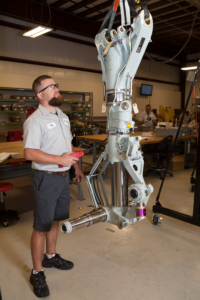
37 31
188 68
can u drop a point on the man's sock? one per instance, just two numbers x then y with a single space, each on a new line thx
49 256
35 272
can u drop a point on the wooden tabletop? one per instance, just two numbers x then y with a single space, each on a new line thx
17 147
153 139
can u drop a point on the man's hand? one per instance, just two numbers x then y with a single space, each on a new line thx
79 174
66 160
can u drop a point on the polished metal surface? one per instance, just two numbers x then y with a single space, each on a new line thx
121 225
86 220
118 90
119 185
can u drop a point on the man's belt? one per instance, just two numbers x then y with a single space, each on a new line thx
62 174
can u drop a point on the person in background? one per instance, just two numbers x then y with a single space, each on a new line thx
47 143
187 117
147 116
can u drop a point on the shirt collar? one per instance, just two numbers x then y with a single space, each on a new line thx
45 111
58 110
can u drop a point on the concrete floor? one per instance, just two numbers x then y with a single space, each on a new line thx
143 261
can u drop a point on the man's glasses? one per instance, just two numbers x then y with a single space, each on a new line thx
50 87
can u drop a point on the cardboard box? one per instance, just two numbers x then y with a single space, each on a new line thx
176 163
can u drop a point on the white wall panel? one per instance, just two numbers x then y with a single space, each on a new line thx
76 75
8 41
67 73
24 47
144 69
47 49
59 52
23 69
149 69
20 80
88 76
187 89
8 67
163 94
171 73
73 54
42 49
97 77
55 51
156 69
90 60
6 79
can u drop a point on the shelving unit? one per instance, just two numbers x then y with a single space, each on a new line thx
78 98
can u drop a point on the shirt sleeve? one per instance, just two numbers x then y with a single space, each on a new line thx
32 134
141 117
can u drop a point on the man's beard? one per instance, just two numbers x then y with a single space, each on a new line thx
56 101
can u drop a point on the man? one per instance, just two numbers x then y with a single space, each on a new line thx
186 118
47 143
147 116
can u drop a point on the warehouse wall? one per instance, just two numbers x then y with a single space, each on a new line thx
163 94
55 51
188 86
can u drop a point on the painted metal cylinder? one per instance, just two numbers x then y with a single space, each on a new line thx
119 185
140 211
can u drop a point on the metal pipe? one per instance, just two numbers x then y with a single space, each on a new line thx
119 185
104 92
86 220
112 184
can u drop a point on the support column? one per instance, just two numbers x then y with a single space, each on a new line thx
183 79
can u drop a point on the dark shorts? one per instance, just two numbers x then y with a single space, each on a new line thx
52 199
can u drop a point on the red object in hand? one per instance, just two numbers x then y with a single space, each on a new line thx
75 154
78 154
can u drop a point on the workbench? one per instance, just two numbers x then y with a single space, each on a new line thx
146 140
22 170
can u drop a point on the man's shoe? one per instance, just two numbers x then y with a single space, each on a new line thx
57 262
40 287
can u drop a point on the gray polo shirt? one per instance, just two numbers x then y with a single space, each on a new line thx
48 132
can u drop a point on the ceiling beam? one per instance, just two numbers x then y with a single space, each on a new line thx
171 31
174 15
79 5
104 5
96 8
44 2
164 12
50 34
170 35
156 49
193 2
176 22
158 5
153 6
59 3
59 19
99 17
193 61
